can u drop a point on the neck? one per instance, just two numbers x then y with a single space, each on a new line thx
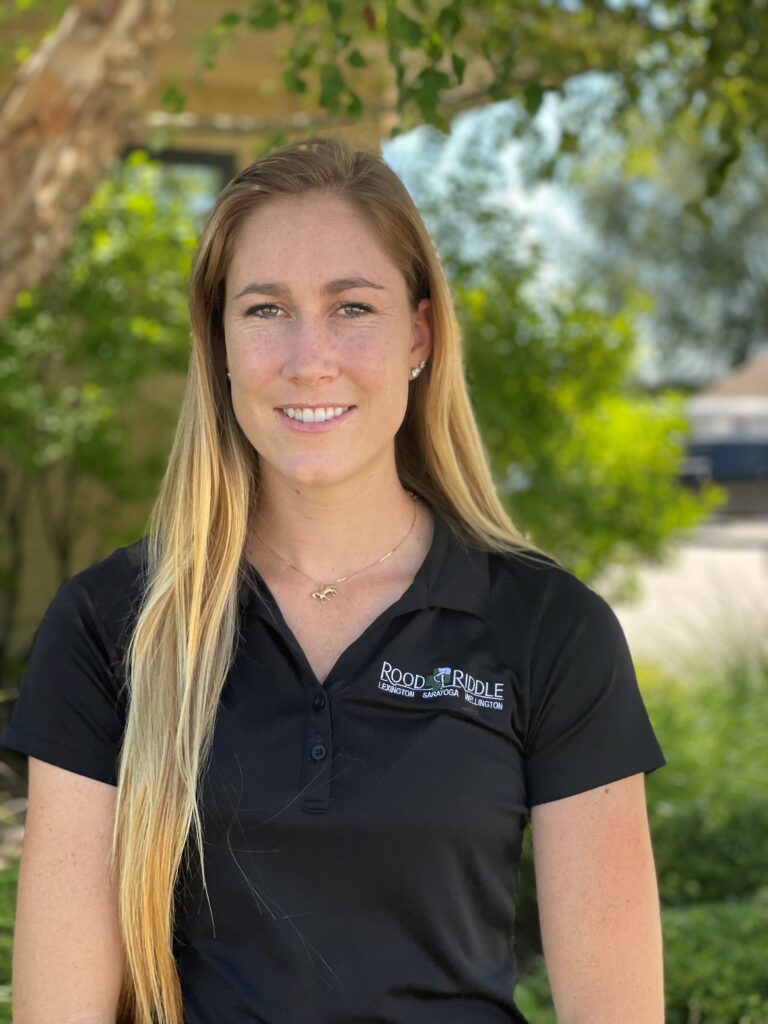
330 532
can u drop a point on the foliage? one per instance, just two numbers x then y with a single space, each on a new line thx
75 355
533 996
74 349
706 61
704 64
708 806
647 222
717 956
714 966
595 470
23 26
9 880
588 467
701 859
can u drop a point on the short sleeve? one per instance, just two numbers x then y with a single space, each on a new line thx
587 723
69 711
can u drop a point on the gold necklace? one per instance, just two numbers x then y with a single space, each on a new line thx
328 590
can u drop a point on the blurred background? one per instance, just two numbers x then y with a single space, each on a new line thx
595 177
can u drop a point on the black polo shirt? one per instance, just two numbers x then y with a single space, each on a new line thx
362 837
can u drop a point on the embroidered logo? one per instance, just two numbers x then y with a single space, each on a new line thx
442 682
439 678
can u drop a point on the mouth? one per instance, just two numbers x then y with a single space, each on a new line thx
316 419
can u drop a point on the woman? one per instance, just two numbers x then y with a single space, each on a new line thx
311 712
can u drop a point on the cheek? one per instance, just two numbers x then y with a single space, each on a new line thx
381 359
383 388
256 359
387 390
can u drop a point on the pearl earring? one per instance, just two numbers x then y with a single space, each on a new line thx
417 369
229 375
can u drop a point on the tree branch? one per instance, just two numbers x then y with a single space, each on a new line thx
63 123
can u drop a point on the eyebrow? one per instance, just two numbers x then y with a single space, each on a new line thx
339 284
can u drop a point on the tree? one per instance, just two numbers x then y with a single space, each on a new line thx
704 265
705 62
587 463
627 212
709 60
74 355
63 124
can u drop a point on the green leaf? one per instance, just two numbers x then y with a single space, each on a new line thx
403 29
498 91
459 64
267 17
533 95
230 19
429 84
433 46
331 86
448 22
354 104
301 56
293 82
335 9
206 53
173 99
355 59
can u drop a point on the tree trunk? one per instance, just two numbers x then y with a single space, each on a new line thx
63 123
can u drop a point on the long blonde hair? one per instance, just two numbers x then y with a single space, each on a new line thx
181 646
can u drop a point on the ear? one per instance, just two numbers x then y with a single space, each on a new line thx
421 346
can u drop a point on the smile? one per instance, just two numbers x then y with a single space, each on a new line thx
314 420
319 415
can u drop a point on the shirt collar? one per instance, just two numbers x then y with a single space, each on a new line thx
457 573
453 575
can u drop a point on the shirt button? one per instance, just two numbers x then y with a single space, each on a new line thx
319 701
319 751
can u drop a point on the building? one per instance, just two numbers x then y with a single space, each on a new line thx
729 438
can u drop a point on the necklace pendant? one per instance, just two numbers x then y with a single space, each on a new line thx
324 593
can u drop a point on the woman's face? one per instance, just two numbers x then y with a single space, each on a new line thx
317 317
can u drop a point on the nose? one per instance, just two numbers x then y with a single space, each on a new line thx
312 355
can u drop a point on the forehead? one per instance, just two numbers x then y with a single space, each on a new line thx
315 236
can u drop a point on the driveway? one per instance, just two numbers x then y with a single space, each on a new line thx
710 596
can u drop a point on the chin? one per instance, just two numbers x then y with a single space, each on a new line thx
315 476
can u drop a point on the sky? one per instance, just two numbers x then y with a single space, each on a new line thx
549 212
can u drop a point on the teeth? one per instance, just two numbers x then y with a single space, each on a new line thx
316 415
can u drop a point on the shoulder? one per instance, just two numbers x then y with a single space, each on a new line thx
105 593
118 569
541 592
551 624
73 698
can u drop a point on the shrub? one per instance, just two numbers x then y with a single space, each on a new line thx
716 958
708 806
704 856
9 878
533 998
714 966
